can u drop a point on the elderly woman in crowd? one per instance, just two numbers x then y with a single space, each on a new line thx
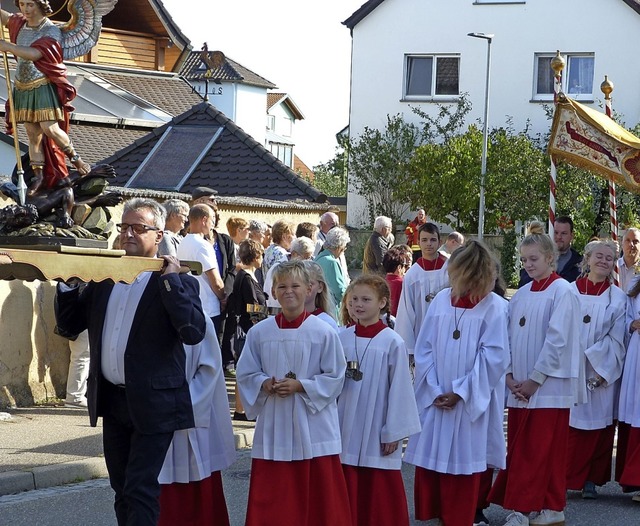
282 234
377 245
301 248
329 260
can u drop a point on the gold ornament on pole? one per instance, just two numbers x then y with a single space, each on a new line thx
606 87
558 63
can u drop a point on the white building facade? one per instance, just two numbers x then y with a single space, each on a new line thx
416 53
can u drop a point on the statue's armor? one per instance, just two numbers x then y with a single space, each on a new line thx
26 71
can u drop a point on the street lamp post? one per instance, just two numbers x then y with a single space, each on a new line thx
485 134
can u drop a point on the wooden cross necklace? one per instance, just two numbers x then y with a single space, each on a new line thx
291 375
523 320
587 318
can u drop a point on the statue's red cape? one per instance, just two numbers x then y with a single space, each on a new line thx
51 64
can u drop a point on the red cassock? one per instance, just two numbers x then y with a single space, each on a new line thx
536 460
194 504
290 490
363 484
452 498
590 456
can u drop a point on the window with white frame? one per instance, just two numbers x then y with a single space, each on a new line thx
577 76
429 76
271 122
284 126
283 152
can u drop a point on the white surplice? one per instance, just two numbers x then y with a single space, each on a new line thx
210 446
468 438
303 425
602 342
381 407
329 320
629 405
544 336
419 287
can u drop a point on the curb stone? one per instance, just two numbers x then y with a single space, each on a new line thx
41 477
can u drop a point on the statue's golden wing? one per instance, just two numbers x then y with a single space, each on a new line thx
82 31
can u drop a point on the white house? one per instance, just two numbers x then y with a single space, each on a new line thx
282 114
247 99
417 53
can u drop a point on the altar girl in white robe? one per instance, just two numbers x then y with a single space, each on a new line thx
319 301
461 358
628 445
191 485
426 277
377 409
543 384
290 374
592 425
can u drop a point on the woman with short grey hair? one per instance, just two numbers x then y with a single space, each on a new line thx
302 248
337 238
329 260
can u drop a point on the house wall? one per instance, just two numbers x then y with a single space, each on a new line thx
251 111
222 96
126 50
244 105
284 120
397 27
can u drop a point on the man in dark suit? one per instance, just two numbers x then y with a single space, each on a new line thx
137 370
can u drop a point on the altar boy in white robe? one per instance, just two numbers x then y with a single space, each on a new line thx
191 490
544 382
461 357
377 408
290 374
592 425
426 277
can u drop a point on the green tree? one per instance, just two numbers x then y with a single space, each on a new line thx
517 179
378 162
331 177
448 121
445 178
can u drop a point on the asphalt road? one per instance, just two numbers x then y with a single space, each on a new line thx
90 503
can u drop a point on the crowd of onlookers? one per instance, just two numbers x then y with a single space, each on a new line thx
422 344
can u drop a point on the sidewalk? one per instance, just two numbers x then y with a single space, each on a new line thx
44 446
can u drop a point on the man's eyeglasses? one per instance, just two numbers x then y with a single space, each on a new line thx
138 228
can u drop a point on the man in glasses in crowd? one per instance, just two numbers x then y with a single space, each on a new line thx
137 377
